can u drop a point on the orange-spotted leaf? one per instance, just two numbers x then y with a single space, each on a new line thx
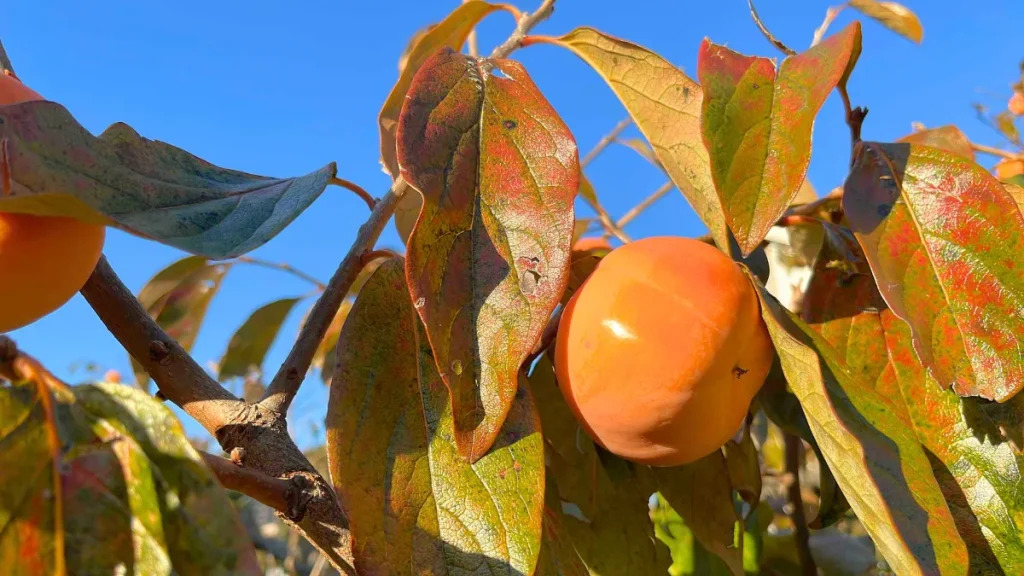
893 16
665 105
943 239
102 480
54 166
488 258
410 498
757 125
949 138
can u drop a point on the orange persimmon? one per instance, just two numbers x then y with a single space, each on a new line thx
661 351
44 260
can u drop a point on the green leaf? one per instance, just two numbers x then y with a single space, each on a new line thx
250 343
893 16
757 125
178 297
879 463
451 33
411 499
948 138
145 187
665 105
942 237
488 259
108 483
586 190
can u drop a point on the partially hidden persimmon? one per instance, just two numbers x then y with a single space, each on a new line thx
44 260
661 350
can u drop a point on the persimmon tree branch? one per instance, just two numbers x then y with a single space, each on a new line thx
289 377
993 151
283 267
526 23
605 141
796 505
645 204
767 34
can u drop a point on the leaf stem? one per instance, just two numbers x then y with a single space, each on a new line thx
993 151
283 267
368 257
645 204
362 193
767 34
289 377
830 16
796 505
526 23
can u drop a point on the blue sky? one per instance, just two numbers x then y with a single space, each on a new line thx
280 89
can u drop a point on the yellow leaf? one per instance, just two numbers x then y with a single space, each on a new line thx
893 16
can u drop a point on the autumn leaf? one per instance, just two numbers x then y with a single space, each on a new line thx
487 261
942 237
411 499
757 125
55 167
878 461
893 16
451 33
665 105
558 556
948 138
178 297
107 481
251 342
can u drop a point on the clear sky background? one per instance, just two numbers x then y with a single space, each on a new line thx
282 88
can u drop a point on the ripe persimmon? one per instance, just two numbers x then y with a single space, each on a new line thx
44 260
661 350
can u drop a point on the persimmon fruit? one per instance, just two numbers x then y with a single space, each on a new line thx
661 350
44 260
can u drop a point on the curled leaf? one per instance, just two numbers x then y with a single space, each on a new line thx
893 16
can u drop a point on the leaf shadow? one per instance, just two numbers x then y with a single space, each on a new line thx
995 423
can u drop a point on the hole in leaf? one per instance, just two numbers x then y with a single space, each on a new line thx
509 124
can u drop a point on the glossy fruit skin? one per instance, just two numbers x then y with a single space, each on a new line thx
44 261
661 350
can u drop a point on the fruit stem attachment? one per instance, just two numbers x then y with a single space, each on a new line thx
371 202
796 505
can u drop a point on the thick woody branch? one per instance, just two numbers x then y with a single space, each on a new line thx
289 377
526 23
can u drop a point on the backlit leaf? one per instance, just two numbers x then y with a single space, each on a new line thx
943 238
665 105
586 190
488 259
146 187
178 297
107 483
641 147
411 499
878 462
757 125
948 138
894 16
250 343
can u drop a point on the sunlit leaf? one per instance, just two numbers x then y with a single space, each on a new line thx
879 463
488 259
411 499
107 483
250 343
451 33
943 238
894 16
178 297
665 105
948 138
146 187
757 125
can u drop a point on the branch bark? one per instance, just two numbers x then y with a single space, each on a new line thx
526 23
796 503
274 492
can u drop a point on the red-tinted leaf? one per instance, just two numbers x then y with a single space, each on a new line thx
251 342
487 260
411 500
757 127
104 481
146 187
949 138
893 16
943 238
665 105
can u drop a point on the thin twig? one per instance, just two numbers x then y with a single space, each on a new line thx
764 30
283 267
854 119
645 204
526 23
995 151
5 62
471 44
830 16
796 504
273 492
289 377
605 141
362 193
